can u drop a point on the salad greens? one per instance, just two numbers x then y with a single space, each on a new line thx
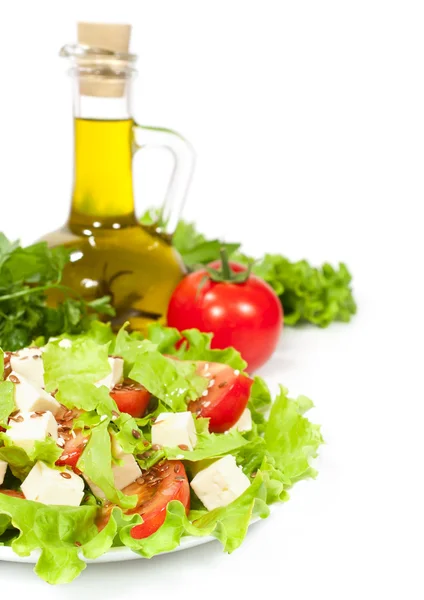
27 275
274 454
318 295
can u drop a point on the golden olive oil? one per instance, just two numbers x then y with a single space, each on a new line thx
112 253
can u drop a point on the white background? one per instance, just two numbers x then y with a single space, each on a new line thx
308 121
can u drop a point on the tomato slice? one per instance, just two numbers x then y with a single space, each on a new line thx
72 449
226 398
164 482
131 398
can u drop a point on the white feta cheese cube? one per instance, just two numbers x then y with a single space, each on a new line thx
245 421
115 376
174 429
221 483
3 469
123 475
28 363
51 486
28 397
28 427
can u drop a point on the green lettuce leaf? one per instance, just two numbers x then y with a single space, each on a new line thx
124 427
7 401
74 393
259 402
196 346
173 382
209 445
85 361
21 462
58 531
96 464
291 439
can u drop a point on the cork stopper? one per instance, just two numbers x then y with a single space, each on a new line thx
104 73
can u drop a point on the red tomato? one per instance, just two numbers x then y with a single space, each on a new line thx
131 398
164 482
227 396
247 316
72 449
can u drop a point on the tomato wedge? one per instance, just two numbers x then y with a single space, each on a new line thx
72 450
226 398
164 482
131 398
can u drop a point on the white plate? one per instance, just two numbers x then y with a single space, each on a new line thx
113 555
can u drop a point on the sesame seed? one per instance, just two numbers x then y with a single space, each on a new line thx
236 372
74 435
206 367
211 383
179 456
179 478
206 404
205 393
177 468
60 442
103 418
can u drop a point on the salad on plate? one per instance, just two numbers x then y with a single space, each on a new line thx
123 440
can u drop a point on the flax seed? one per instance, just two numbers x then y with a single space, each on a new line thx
136 434
222 384
17 419
14 379
66 475
182 447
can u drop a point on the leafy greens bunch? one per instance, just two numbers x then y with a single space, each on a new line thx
308 294
274 455
27 275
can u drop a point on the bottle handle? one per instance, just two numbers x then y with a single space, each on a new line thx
184 160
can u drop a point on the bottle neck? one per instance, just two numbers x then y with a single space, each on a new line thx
103 151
